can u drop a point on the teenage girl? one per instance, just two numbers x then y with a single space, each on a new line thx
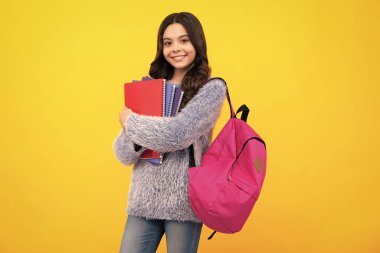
158 196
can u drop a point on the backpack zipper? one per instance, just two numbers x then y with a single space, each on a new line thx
245 143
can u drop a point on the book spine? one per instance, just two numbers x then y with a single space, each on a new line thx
171 100
163 107
179 103
148 158
163 97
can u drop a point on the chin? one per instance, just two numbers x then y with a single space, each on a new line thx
180 66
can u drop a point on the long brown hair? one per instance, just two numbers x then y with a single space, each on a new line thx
198 75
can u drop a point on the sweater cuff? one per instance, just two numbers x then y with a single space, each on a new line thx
125 124
137 147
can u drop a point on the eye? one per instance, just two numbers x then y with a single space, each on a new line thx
185 40
167 43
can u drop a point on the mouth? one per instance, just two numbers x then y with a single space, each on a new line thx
178 57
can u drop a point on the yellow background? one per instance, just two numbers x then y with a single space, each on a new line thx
307 69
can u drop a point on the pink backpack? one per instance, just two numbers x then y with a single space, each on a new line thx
227 184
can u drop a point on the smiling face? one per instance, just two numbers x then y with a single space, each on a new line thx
177 47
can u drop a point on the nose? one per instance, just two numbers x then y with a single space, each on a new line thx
176 47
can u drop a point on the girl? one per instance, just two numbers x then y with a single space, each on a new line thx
158 196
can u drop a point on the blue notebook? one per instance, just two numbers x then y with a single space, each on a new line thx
170 90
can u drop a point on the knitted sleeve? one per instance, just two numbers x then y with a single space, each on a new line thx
167 134
125 150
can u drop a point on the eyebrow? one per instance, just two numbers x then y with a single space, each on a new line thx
185 35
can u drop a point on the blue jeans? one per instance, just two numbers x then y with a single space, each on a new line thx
144 236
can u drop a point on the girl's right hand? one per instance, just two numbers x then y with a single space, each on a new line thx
123 116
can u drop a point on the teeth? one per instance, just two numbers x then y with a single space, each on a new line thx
178 57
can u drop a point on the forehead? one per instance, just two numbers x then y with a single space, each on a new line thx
174 31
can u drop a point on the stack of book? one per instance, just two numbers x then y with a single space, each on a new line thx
152 97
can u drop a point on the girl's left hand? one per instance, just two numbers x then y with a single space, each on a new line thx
123 116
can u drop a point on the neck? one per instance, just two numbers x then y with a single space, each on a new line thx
179 74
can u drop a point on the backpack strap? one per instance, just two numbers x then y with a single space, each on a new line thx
227 95
245 111
210 237
191 156
229 102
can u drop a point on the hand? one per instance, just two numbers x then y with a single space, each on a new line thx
123 115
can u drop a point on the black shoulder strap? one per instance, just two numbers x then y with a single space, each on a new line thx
227 95
191 156
245 111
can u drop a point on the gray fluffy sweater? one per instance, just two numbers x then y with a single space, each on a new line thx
161 192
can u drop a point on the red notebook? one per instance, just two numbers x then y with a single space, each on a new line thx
146 98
